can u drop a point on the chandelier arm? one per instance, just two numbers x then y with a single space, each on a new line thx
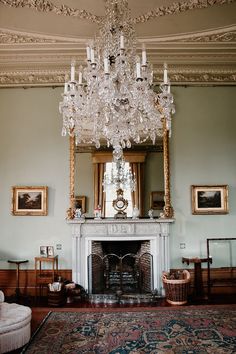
178 7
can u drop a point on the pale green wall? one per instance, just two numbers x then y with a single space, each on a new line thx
202 150
32 152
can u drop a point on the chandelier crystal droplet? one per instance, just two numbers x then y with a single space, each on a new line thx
111 99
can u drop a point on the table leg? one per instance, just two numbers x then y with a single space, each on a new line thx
198 284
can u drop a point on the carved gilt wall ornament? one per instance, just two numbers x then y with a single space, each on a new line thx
64 10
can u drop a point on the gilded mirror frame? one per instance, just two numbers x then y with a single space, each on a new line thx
168 211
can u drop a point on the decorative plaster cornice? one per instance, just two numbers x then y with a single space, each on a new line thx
64 10
212 37
32 78
200 76
224 35
10 37
48 6
180 76
178 7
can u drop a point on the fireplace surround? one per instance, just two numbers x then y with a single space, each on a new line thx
86 231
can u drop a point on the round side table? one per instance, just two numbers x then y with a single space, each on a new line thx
198 284
17 262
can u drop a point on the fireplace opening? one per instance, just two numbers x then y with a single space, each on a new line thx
120 267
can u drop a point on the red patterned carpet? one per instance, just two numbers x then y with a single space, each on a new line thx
185 330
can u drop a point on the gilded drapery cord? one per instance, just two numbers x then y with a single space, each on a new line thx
99 197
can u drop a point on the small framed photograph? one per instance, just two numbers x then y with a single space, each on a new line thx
43 251
80 203
208 200
157 201
50 251
30 201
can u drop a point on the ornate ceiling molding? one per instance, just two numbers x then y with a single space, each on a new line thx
64 10
178 7
225 34
190 76
13 37
48 6
213 37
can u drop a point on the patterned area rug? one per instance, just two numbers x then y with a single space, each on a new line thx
183 330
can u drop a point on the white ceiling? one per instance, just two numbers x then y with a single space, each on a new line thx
37 39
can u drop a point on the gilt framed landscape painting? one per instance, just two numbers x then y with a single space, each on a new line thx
30 201
208 200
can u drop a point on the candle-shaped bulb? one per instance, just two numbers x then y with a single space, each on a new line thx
92 56
165 74
106 66
80 78
66 88
88 50
72 72
122 42
138 70
144 55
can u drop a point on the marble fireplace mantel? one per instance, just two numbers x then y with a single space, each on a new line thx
85 231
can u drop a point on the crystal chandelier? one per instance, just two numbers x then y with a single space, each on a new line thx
120 177
111 98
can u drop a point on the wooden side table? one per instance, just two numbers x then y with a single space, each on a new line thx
198 284
17 262
44 276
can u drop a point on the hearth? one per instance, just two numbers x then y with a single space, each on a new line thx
120 267
87 232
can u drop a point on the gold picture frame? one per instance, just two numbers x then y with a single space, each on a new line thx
80 203
29 201
209 200
157 201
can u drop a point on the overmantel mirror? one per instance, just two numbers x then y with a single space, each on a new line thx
150 164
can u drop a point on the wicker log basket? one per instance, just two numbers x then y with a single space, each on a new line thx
176 290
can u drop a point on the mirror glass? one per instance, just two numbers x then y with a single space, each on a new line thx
153 180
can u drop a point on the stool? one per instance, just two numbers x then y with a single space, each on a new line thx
17 262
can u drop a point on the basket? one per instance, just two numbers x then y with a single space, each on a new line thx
56 298
176 290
